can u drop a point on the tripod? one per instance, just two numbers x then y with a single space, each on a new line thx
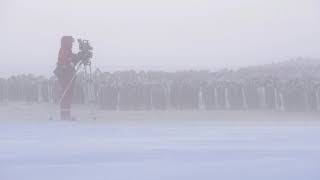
89 93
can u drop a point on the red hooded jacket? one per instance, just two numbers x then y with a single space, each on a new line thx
65 52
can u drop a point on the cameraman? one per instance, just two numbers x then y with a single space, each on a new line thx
65 72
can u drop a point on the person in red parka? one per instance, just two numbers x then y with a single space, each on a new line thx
65 73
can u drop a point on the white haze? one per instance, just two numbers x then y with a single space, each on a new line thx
161 35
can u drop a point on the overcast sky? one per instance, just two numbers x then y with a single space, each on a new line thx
164 34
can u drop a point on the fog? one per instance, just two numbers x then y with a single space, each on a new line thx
256 122
160 35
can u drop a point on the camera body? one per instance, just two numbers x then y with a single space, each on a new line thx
85 52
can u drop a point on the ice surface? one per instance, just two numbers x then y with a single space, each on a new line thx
138 150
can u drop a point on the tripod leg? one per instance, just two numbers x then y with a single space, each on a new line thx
90 91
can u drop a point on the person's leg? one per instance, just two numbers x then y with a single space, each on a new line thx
66 100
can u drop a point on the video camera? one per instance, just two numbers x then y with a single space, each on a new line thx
85 53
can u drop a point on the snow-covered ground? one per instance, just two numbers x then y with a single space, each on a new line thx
159 145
